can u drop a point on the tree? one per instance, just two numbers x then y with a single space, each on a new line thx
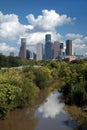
42 76
79 94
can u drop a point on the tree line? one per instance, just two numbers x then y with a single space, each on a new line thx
10 61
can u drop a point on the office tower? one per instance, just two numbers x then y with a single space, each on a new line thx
39 51
34 55
56 50
49 51
47 38
27 54
48 47
69 47
22 52
61 49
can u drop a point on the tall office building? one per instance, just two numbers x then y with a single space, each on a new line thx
61 49
49 51
48 47
28 54
22 52
47 38
69 47
39 51
56 49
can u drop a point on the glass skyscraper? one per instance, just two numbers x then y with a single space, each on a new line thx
48 47
48 38
49 51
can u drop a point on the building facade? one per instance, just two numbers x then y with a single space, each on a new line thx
62 51
28 53
48 47
39 51
22 52
69 47
49 51
47 38
56 49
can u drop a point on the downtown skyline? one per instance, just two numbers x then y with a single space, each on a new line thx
34 19
50 51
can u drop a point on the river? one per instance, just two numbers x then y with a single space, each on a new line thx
47 116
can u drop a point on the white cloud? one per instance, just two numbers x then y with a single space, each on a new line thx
80 48
45 24
78 41
73 35
85 39
10 27
52 107
49 20
30 27
35 37
6 48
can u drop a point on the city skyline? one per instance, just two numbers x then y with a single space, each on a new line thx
34 19
51 51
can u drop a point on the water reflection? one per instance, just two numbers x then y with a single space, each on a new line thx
52 107
49 116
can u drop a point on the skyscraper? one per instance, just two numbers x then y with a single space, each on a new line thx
48 38
48 47
61 49
39 51
69 47
22 52
56 49
28 54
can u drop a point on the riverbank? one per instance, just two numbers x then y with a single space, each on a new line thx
78 115
46 114
20 88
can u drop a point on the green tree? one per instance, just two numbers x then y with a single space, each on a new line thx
79 94
42 76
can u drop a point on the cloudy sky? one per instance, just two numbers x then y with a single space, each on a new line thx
32 19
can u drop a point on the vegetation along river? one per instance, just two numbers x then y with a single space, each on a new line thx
47 116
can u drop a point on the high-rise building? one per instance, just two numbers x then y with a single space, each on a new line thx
62 49
39 51
69 47
49 51
47 38
48 47
22 52
27 54
61 45
56 49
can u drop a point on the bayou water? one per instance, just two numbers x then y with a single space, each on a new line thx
48 115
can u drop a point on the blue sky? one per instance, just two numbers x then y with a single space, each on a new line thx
32 19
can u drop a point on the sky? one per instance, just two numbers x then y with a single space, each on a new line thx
33 19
